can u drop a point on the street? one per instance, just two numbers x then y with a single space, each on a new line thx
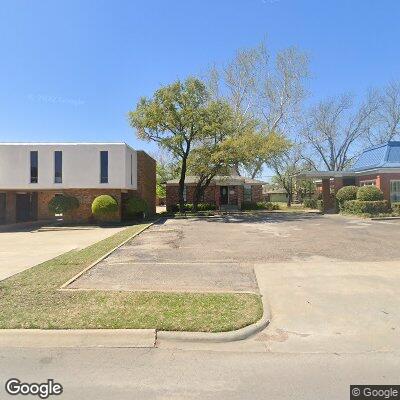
95 374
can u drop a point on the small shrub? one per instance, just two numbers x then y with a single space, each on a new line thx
369 193
272 206
250 205
346 193
63 204
310 203
320 205
136 208
105 207
206 207
360 207
189 207
396 208
173 208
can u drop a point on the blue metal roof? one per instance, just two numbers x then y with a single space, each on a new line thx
383 156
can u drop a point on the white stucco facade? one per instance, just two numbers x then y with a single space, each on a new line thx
80 166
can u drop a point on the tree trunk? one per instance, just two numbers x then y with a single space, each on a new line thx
197 196
289 190
201 187
182 185
289 199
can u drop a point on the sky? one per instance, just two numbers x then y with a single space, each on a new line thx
72 70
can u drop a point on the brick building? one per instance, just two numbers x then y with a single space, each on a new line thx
31 174
226 192
378 165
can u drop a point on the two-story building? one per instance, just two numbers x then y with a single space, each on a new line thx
32 173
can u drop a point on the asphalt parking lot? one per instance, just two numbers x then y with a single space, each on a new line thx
218 254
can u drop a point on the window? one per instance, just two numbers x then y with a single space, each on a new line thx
369 182
58 167
394 191
104 167
34 167
131 170
247 193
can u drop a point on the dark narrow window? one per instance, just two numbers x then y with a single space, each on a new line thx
104 167
131 170
34 167
58 167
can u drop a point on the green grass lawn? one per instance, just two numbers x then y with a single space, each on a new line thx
31 299
293 207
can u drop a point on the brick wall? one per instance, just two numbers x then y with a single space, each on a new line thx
212 194
172 196
11 212
146 179
256 193
85 197
384 183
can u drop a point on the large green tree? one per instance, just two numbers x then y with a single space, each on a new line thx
223 151
176 117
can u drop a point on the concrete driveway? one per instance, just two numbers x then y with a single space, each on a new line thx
22 248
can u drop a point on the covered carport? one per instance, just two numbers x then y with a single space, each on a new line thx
331 181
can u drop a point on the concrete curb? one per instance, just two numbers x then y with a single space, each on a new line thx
78 338
79 274
384 218
220 337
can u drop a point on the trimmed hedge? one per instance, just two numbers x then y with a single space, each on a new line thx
396 208
346 193
189 207
261 205
104 207
136 208
62 204
359 207
310 203
369 193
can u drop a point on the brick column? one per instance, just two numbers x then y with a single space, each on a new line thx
146 179
217 196
11 208
378 182
337 184
326 194
240 194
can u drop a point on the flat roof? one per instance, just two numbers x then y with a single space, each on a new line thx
190 179
60 143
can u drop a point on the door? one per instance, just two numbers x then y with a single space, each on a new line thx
2 208
26 207
224 195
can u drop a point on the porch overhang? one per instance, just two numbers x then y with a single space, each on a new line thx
313 175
